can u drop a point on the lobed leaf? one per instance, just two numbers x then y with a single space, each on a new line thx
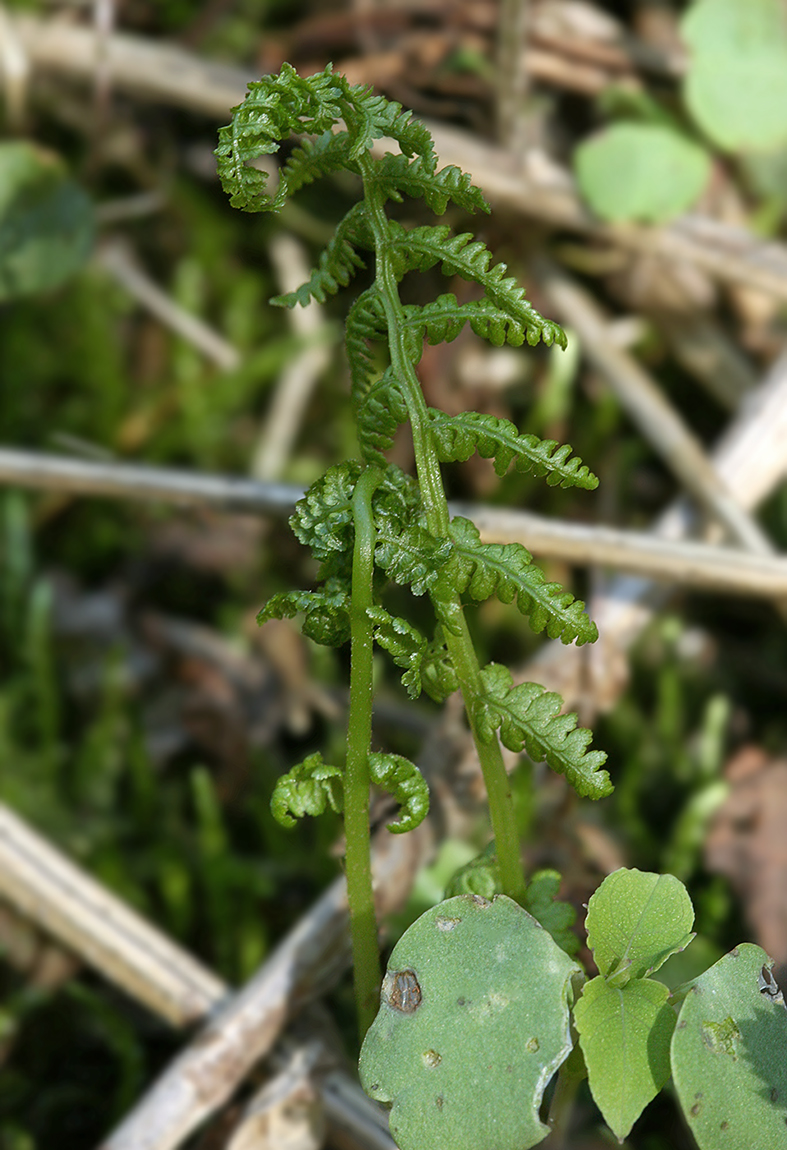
323 518
336 266
427 665
555 915
397 174
314 159
306 790
457 437
419 249
528 716
411 555
505 570
326 612
404 781
441 321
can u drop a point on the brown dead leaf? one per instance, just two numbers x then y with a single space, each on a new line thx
747 844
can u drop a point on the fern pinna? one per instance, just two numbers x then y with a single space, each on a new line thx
368 522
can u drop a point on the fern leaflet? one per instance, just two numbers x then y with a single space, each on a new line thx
313 159
397 174
307 789
505 570
326 612
528 716
426 665
336 266
419 249
457 437
404 781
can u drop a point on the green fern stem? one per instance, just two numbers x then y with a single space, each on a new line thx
363 923
457 637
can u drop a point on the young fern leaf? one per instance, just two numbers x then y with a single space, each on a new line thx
336 266
323 518
528 716
412 556
369 117
426 665
404 781
397 174
504 569
457 437
275 107
378 416
314 159
307 789
419 249
442 320
326 612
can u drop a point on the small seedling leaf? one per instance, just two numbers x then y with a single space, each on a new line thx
642 172
736 83
473 1023
635 921
625 1036
729 1055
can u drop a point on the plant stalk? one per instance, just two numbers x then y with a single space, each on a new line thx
360 896
457 637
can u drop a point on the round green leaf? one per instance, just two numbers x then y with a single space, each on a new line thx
729 1056
641 172
625 1036
635 921
46 222
473 1023
736 84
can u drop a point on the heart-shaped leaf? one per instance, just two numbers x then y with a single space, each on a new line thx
729 1055
635 921
625 1036
473 1023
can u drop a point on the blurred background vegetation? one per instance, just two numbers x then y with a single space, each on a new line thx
143 717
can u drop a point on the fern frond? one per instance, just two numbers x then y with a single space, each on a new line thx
275 108
307 789
397 174
369 117
404 781
336 266
378 417
326 612
323 518
313 159
505 570
528 716
442 320
556 916
419 249
457 437
412 556
427 665
365 323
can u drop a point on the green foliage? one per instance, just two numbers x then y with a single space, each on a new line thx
426 664
645 172
736 83
556 917
46 222
404 781
529 716
728 1055
307 789
419 249
337 264
457 437
326 613
465 978
505 570
636 921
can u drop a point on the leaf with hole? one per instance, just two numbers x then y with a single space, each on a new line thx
473 1023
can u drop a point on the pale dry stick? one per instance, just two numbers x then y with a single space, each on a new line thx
301 375
14 71
658 421
537 188
717 569
512 80
116 258
41 883
92 923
